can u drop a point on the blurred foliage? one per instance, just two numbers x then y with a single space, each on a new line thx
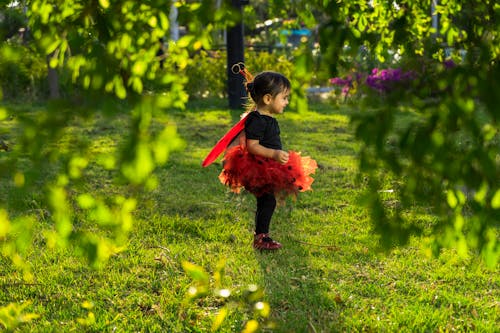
106 52
12 21
446 161
23 72
247 300
13 315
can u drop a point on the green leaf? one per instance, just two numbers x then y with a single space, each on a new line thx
3 112
480 195
50 45
262 309
450 36
184 41
166 142
136 83
125 41
362 23
120 90
455 198
86 201
153 21
491 251
489 132
128 206
13 315
251 326
53 62
196 272
144 161
8 53
219 319
76 165
164 21
452 199
102 214
44 10
58 200
4 224
495 201
104 3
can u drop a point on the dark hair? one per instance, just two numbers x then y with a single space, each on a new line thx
267 83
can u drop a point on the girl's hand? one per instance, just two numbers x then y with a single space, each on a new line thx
280 156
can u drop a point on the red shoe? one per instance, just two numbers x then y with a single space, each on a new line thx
264 242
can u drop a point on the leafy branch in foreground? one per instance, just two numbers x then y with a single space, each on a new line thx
14 315
445 160
249 299
449 150
107 53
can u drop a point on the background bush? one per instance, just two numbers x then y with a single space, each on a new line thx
207 75
207 72
13 19
25 77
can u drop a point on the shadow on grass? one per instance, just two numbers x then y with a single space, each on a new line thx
294 287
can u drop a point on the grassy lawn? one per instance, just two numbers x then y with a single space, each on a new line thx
330 275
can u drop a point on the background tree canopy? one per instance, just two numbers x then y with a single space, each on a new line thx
105 54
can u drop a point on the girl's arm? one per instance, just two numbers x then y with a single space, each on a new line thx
254 147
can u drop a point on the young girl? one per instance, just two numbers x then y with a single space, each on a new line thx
259 164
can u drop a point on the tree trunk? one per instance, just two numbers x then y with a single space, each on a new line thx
235 54
53 78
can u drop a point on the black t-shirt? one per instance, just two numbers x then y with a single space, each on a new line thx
263 128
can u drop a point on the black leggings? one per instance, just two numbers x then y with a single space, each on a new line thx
266 204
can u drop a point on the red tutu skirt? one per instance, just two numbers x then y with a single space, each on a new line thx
260 175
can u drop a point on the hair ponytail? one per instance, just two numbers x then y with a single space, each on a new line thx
264 83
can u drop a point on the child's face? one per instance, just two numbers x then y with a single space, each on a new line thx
279 102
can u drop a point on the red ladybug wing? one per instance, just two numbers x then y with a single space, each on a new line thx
222 144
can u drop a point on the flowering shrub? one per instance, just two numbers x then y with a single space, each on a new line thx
347 84
386 79
381 80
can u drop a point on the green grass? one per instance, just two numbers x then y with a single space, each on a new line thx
330 275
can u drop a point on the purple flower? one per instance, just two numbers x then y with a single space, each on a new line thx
386 79
346 83
338 81
449 63
345 90
381 80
